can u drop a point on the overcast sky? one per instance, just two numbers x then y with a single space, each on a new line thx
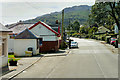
12 11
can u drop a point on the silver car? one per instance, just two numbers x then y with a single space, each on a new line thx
74 44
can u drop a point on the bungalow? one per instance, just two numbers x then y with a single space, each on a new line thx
3 46
40 37
49 36
16 28
25 40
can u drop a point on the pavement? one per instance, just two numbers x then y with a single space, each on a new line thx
108 46
26 62
111 47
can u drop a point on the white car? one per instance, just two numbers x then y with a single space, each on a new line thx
74 44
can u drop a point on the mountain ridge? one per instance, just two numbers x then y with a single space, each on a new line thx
79 13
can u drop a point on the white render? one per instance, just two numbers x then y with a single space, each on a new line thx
44 33
22 45
3 61
4 58
10 45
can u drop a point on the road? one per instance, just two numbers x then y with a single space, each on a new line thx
91 60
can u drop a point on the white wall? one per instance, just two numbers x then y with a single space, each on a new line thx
22 45
40 30
49 38
3 61
10 45
4 58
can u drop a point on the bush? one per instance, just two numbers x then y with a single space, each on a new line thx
12 58
74 35
65 45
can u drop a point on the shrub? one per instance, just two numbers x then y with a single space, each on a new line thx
12 58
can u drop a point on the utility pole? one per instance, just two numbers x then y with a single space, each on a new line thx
69 29
62 28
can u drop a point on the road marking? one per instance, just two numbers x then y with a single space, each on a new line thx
24 71
98 64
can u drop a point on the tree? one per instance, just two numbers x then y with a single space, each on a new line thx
106 13
70 27
76 26
82 29
115 12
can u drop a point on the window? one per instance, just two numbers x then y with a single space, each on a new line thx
3 50
3 46
40 42
37 43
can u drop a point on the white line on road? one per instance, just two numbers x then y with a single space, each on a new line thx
98 64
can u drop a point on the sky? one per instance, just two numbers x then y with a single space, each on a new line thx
11 11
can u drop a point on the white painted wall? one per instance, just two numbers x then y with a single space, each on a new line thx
3 61
10 45
22 45
49 38
41 30
4 58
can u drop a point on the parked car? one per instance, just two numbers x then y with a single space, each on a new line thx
74 44
112 41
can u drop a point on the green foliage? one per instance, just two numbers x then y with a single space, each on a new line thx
82 29
87 32
12 58
93 30
64 45
75 34
76 26
105 14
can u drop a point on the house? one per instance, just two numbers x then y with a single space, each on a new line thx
40 36
103 33
24 40
16 28
3 45
102 29
49 36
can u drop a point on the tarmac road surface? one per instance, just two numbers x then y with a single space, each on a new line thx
91 60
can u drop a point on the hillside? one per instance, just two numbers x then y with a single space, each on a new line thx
79 13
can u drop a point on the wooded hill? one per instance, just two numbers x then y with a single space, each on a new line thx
79 13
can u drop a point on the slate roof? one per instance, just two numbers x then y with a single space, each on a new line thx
4 29
19 27
26 34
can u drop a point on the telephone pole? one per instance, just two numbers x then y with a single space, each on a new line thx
62 44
